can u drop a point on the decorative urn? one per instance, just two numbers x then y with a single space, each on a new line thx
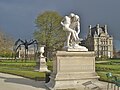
42 50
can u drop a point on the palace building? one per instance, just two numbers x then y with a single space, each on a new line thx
100 41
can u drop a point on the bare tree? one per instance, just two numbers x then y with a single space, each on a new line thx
6 44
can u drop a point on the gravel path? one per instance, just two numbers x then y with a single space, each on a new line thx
12 82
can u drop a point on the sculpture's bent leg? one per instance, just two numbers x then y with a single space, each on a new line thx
72 31
68 38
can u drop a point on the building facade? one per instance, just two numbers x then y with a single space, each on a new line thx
100 41
30 53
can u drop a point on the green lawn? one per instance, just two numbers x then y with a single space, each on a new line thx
26 69
112 66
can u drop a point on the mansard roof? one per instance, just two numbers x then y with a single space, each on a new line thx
94 31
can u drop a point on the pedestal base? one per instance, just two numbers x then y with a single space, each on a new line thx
75 48
72 81
72 69
41 65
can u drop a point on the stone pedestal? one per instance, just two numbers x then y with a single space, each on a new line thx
72 69
41 65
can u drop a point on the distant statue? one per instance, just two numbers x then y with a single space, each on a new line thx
71 24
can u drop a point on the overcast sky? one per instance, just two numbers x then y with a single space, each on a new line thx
17 16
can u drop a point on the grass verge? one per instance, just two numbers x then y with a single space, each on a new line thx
24 69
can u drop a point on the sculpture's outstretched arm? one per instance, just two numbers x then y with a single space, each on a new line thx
63 21
62 24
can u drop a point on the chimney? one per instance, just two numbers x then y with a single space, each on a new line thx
106 29
98 26
90 29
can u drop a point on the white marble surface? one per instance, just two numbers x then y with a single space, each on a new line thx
71 24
